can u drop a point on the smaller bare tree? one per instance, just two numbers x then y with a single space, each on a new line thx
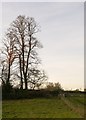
8 53
36 78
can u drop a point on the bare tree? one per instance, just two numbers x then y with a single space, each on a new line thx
23 31
36 78
8 55
20 52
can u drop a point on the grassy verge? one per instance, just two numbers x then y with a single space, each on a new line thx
38 108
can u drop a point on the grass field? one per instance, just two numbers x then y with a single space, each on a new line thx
44 108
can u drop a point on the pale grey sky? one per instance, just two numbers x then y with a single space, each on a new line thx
62 35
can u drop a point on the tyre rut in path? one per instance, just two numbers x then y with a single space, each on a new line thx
77 110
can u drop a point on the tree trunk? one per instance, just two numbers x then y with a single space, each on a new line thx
25 79
25 73
26 84
21 86
8 78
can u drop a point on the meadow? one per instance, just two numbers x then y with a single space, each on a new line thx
65 107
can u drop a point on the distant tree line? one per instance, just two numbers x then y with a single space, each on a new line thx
49 91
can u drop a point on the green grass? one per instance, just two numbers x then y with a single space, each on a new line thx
76 104
77 100
38 108
79 103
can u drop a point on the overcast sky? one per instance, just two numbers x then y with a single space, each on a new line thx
62 35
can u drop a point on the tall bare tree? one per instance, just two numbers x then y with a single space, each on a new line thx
20 52
23 30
